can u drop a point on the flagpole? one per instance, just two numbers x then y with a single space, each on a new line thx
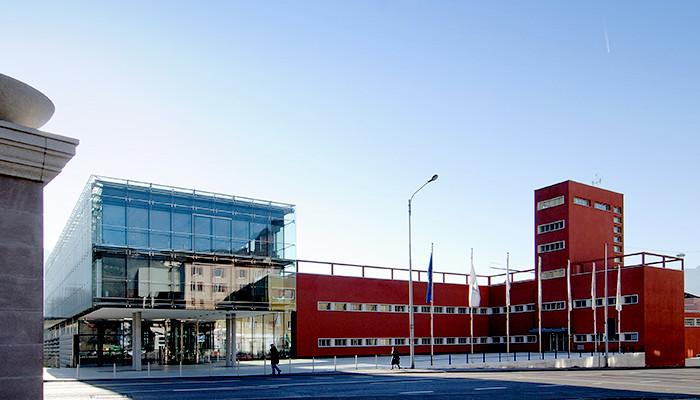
430 282
568 304
539 302
471 314
508 306
618 307
593 307
605 304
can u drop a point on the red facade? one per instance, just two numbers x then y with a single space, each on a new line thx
341 315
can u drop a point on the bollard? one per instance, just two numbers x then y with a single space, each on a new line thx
528 356
335 367
238 367
114 370
149 369
555 354
265 366
356 361
313 365
180 368
210 367
77 372
499 356
515 356
376 362
290 364
483 357
449 359
467 358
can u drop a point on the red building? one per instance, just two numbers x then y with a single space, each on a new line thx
367 313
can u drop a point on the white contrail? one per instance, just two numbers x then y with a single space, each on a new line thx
607 42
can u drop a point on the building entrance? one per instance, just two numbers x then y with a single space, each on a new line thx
556 341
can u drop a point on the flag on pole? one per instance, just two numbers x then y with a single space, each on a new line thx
508 283
618 297
474 295
429 297
568 286
593 288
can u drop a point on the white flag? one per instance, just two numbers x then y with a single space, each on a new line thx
474 295
593 288
618 298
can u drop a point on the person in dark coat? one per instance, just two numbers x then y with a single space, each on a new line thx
395 359
274 359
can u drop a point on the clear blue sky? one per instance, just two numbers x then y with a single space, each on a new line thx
345 108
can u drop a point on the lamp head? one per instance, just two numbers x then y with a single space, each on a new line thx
433 178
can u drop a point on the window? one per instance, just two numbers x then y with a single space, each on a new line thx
218 272
437 310
548 247
496 310
355 342
552 226
439 341
324 343
617 220
340 307
340 342
385 308
582 202
241 273
399 341
400 308
555 305
617 229
496 339
425 309
630 299
580 338
355 307
425 341
370 342
581 303
519 339
617 239
602 206
530 307
371 307
690 322
553 202
463 310
385 342
617 210
449 310
617 249
462 340
630 337
451 340
599 302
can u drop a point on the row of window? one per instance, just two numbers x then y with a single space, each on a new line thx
590 338
597 205
400 308
553 246
692 322
550 227
369 342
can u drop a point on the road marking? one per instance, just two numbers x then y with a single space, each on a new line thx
549 385
491 388
419 392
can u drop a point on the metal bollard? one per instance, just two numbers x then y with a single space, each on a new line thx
335 367
528 356
313 365
290 364
265 366
515 356
181 367
355 361
449 359
376 361
77 372
499 356
149 369
114 370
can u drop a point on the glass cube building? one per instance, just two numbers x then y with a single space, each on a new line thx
184 259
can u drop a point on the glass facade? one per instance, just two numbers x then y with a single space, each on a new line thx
144 246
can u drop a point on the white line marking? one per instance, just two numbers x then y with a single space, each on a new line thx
419 392
492 388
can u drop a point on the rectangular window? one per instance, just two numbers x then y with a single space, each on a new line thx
340 342
437 310
617 229
371 307
341 307
617 249
385 308
324 343
519 309
324 306
439 341
617 239
617 210
530 307
355 307
425 309
580 338
630 337
451 340
617 220
399 342
553 202
552 226
218 272
555 305
582 202
463 310
690 322
385 342
581 303
462 340
425 341
449 310
549 247
630 299
355 342
399 308
370 342
602 206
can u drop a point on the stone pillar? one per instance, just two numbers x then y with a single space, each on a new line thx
230 340
136 341
29 159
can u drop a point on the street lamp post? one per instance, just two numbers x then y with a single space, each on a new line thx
410 275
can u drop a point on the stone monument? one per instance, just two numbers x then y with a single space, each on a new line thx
29 159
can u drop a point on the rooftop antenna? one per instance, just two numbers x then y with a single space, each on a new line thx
597 180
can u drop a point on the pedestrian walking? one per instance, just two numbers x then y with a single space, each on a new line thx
395 359
274 359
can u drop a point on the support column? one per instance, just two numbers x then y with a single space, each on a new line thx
29 159
230 340
136 341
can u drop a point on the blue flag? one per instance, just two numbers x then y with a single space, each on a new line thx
429 297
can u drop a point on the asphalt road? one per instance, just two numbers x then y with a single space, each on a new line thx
502 385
